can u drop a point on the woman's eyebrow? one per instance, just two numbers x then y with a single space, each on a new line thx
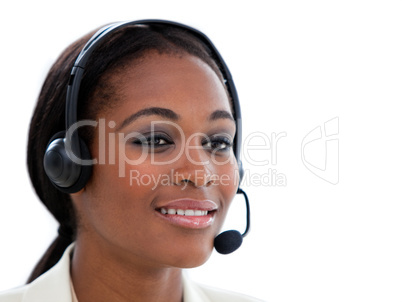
171 115
163 112
219 114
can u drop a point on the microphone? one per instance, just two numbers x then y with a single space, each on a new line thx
229 241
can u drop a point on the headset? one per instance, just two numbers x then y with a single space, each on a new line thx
67 157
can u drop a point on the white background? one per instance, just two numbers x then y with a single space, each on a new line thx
297 65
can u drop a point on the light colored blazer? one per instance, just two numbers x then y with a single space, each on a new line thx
54 286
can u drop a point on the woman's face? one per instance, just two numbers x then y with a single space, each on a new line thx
163 151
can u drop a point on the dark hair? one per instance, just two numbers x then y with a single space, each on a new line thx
125 45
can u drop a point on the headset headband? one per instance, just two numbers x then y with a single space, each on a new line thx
82 59
54 166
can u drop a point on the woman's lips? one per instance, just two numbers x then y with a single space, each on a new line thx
188 213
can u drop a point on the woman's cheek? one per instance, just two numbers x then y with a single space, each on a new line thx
145 176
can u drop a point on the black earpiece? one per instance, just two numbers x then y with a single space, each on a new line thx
64 173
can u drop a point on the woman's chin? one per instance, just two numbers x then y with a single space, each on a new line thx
192 258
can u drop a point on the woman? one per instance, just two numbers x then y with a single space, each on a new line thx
154 119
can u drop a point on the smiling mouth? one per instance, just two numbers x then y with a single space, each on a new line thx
182 212
187 218
188 213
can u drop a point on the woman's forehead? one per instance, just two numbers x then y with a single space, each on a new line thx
184 84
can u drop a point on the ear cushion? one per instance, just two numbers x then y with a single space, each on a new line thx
86 171
64 174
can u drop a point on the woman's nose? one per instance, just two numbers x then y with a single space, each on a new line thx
196 180
194 167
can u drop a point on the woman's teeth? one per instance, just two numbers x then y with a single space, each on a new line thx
184 212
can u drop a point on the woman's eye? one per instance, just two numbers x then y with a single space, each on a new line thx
153 141
218 144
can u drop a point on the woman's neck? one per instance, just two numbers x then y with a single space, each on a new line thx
99 274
